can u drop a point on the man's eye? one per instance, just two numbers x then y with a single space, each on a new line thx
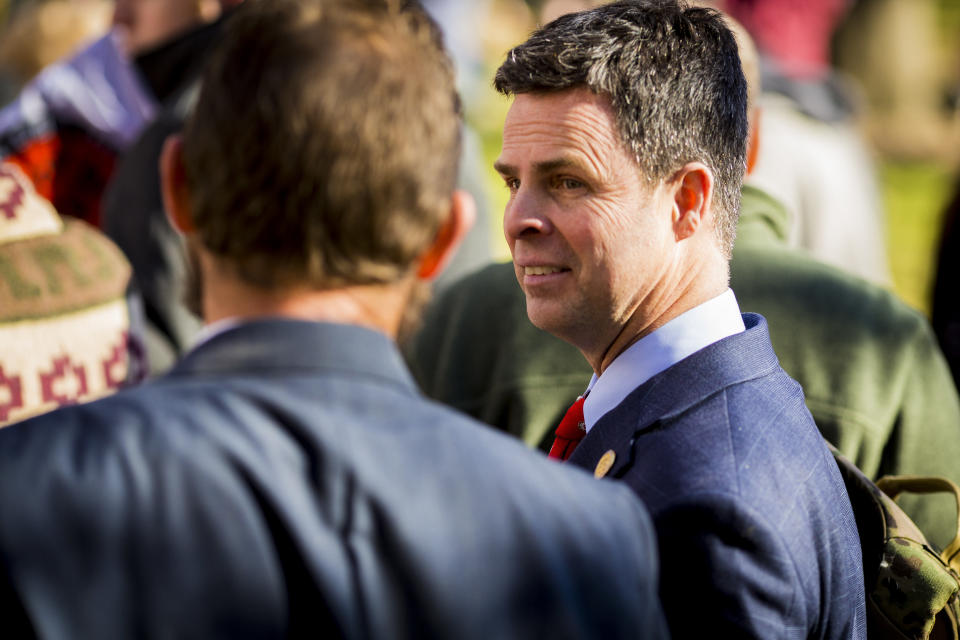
569 184
512 183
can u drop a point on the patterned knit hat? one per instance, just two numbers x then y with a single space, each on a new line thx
64 314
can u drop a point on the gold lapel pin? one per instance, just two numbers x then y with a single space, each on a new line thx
604 464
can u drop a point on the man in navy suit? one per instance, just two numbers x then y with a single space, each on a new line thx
286 479
624 152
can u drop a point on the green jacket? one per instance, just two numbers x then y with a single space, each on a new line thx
874 378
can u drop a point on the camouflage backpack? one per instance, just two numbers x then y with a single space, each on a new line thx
913 592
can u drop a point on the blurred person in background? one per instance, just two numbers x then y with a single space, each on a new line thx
287 479
906 58
66 126
70 323
946 291
69 125
945 299
812 156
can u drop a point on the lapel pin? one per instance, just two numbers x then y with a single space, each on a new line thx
604 464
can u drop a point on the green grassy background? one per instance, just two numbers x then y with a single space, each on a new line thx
915 196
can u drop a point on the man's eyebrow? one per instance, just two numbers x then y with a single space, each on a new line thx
543 167
552 165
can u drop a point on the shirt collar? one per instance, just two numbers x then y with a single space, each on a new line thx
686 334
208 331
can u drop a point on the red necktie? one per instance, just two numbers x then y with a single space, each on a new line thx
570 432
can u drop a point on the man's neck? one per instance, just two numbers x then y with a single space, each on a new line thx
379 307
681 337
691 288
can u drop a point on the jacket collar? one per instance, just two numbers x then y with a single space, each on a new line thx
735 359
287 346
763 220
684 335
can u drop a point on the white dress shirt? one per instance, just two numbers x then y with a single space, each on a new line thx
686 334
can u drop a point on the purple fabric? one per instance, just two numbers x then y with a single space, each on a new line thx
97 90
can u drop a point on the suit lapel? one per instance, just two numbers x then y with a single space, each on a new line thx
737 358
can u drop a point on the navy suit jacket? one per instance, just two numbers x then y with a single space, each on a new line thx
287 479
757 536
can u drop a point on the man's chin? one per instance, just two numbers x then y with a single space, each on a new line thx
547 315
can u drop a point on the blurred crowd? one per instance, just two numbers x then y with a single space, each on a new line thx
860 102
875 83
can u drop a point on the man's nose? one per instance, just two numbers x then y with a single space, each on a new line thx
527 214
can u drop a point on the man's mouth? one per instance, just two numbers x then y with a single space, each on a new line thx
541 270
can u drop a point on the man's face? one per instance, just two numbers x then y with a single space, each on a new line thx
591 242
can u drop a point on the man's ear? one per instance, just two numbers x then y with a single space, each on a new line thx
463 213
692 196
173 186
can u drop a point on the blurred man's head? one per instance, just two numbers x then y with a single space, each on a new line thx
323 150
624 152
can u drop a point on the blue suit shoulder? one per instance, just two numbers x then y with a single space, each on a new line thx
344 503
746 498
